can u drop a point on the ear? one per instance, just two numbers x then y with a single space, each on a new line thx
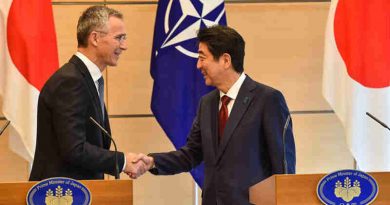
226 60
93 38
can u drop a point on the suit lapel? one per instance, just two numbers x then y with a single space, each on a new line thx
90 84
214 120
241 104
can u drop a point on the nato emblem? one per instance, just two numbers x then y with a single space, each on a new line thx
177 23
59 191
347 187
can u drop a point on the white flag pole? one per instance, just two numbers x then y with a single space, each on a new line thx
196 192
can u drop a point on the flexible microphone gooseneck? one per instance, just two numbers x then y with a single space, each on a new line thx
285 170
378 121
113 141
4 127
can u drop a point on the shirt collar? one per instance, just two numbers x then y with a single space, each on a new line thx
233 91
92 68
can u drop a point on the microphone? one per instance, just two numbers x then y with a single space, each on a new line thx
116 151
378 121
4 127
284 144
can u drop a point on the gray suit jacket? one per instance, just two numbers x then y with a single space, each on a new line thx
68 144
250 151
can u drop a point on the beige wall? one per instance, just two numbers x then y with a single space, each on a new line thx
284 50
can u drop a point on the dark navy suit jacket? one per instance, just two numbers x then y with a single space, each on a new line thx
68 144
251 148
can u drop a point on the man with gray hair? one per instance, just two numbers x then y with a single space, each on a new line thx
68 143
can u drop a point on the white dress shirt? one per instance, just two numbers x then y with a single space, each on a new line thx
92 68
232 92
96 75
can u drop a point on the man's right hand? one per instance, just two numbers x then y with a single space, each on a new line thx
137 164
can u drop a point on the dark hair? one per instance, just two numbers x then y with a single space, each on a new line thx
95 17
223 39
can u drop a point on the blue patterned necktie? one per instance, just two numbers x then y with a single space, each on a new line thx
101 93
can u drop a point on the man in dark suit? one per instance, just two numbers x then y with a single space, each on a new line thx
68 143
238 129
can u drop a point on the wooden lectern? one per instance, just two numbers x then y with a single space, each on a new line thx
103 192
302 189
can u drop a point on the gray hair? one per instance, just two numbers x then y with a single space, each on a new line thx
95 17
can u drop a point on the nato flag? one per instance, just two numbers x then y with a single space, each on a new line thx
178 85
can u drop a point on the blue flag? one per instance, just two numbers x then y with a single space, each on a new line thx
178 85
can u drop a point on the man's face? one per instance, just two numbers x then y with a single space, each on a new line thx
112 41
211 69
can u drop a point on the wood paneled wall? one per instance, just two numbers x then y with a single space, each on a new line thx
284 50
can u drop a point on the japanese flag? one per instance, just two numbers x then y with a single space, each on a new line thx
28 57
356 77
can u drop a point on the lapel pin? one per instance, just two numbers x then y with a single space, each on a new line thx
246 99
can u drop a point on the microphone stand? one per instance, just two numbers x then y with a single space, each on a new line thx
116 150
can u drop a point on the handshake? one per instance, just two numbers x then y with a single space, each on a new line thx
137 164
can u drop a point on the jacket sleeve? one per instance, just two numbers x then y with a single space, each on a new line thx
184 159
275 116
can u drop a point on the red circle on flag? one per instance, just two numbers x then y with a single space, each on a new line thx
362 34
31 39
